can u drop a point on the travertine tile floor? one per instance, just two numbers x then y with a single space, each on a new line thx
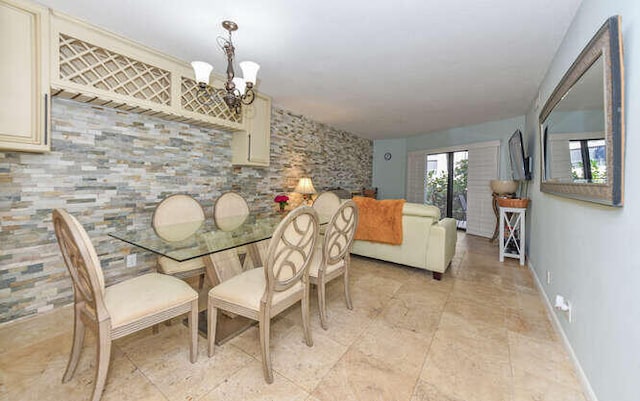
482 333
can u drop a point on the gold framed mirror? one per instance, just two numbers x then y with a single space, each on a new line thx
582 124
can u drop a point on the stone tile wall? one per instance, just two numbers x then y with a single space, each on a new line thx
110 169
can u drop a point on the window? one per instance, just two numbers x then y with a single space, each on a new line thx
588 160
475 205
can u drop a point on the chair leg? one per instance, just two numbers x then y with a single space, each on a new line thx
305 315
212 321
322 304
265 323
192 319
103 356
76 347
155 329
347 293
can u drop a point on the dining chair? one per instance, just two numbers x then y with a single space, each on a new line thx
326 203
262 293
370 192
230 211
118 310
256 254
176 218
332 257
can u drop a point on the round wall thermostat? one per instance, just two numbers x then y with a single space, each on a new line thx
387 156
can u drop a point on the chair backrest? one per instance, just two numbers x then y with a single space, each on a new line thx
370 192
177 209
463 202
338 237
290 250
326 204
230 211
83 264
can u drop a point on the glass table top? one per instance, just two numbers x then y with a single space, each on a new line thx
185 241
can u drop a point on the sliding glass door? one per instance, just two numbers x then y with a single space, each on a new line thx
446 184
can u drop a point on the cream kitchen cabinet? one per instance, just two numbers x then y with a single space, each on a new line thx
24 76
251 146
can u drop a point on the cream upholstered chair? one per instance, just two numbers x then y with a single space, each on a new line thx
230 211
174 219
262 293
332 257
326 203
120 309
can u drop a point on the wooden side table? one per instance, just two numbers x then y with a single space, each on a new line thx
496 211
512 233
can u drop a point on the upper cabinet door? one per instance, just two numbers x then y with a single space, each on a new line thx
24 77
252 146
259 128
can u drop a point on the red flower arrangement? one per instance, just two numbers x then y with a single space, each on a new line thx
282 200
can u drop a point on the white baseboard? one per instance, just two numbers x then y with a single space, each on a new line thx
586 386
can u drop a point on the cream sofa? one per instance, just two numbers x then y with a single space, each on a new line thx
427 242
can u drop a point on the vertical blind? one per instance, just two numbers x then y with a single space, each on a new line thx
416 176
483 167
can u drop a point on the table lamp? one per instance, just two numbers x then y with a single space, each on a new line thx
305 187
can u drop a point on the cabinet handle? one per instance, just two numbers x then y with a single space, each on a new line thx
249 150
46 117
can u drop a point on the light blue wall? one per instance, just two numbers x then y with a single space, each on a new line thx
575 121
390 176
591 250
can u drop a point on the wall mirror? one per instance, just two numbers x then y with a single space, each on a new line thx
582 124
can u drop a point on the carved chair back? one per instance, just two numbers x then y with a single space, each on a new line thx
290 251
83 265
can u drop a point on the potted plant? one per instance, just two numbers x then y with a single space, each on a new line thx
282 201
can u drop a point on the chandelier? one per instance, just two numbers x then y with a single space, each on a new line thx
237 91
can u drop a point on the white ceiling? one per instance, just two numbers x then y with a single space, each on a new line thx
377 69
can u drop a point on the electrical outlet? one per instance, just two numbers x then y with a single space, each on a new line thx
564 305
548 277
131 260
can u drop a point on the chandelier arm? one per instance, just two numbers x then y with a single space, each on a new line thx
248 97
208 95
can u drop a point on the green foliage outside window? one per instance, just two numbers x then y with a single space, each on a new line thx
436 189
598 173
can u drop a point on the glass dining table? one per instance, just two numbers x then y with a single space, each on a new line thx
186 241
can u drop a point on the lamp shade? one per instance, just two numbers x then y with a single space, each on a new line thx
305 186
202 70
249 71
240 84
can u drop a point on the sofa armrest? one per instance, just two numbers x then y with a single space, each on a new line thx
442 245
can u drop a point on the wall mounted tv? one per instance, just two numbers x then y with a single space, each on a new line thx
519 162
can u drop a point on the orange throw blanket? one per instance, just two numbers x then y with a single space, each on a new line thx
379 220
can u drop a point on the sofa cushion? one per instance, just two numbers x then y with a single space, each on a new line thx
416 209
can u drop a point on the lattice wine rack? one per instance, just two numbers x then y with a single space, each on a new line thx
101 70
189 102
85 64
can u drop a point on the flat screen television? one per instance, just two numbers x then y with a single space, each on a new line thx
519 162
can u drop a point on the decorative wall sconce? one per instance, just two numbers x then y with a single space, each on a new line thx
305 187
237 91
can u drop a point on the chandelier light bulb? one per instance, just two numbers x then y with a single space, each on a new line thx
249 71
202 71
